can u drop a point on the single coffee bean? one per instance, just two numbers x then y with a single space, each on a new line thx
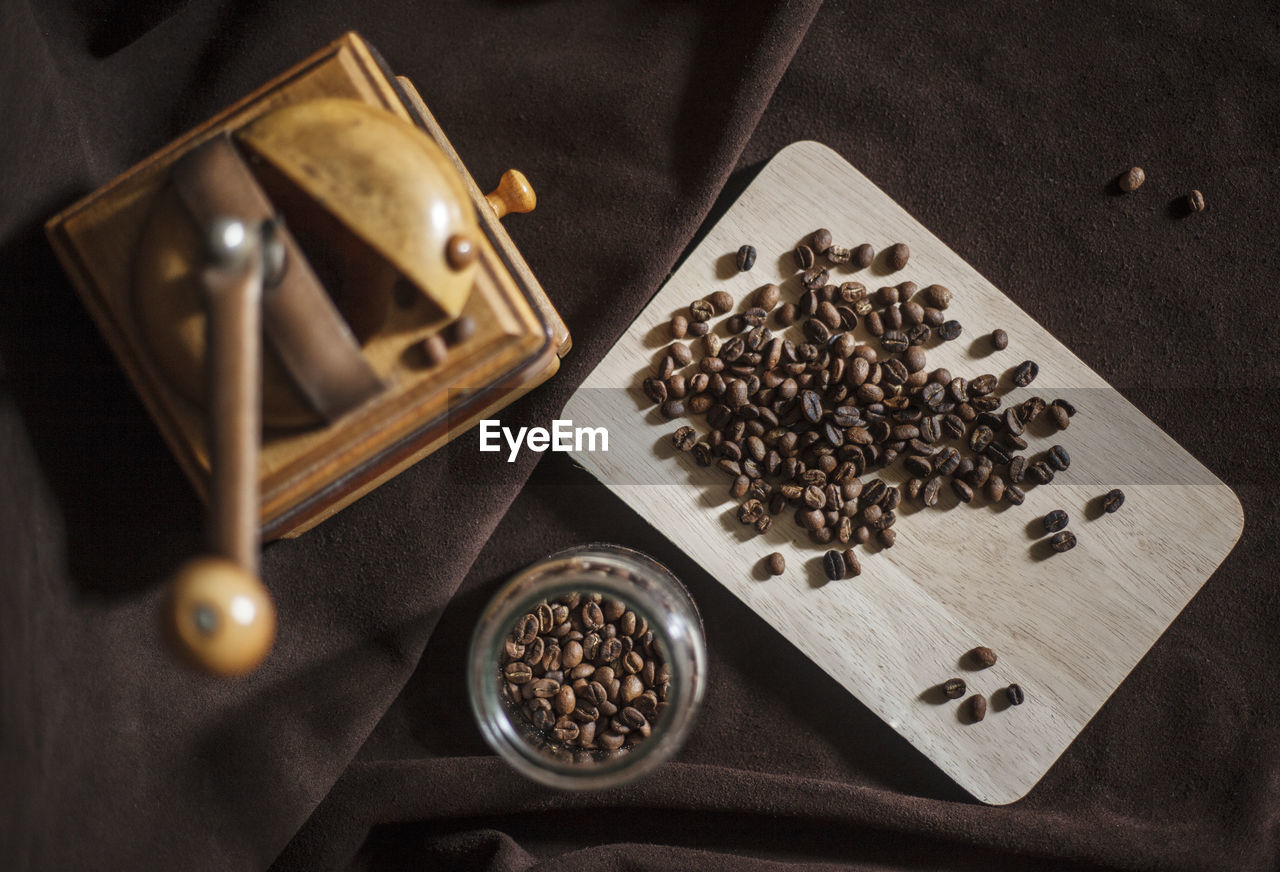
864 255
1014 694
1058 458
804 256
684 439
995 489
897 256
1132 180
721 301
680 353
950 330
977 707
954 688
820 239
815 277
1055 521
981 437
1032 408
672 409
982 385
983 657
851 565
776 563
1066 407
1017 468
894 341
1014 495
1025 373
837 254
887 537
929 493
786 314
962 490
746 257
1112 500
1040 472
1059 416
833 565
655 389
1064 541
699 328
701 310
937 296
1195 201
999 340
767 297
518 672
679 326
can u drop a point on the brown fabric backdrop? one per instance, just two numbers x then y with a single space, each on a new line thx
997 125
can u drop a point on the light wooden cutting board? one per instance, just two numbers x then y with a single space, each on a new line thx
1068 628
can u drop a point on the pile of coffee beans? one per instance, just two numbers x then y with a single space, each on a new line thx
585 672
801 423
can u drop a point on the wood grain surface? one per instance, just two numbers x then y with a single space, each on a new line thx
1068 628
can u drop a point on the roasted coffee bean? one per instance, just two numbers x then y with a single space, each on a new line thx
982 385
811 406
820 239
816 331
776 563
1066 407
1032 408
767 297
995 489
1015 443
977 707
996 453
1059 416
999 340
892 318
1132 179
1017 468
983 657
947 461
746 257
518 672
886 296
804 257
1040 472
655 389
954 688
721 301
1195 201
699 328
1013 420
836 254
1055 521
750 511
833 565
852 567
864 255
684 439
701 310
949 330
1014 694
977 477
1014 495
679 326
962 490
894 341
786 314
1058 458
1064 541
815 277
1112 500
887 537
981 437
1025 373
897 256
918 466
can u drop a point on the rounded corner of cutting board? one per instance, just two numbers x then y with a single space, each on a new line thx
805 149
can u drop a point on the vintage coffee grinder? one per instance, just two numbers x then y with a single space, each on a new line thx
310 294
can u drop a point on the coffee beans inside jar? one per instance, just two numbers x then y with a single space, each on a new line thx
586 672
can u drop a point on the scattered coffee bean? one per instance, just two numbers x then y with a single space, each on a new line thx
999 340
776 563
897 256
937 296
679 326
767 297
672 409
1195 201
1055 521
833 565
1017 468
721 301
1064 541
820 239
983 657
864 255
950 330
1040 472
1025 373
680 353
1132 180
1058 458
851 565
701 310
1014 495
962 490
977 707
1112 500
684 439
1014 694
804 257
1065 406
746 257
954 688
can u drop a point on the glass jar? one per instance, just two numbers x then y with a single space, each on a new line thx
656 684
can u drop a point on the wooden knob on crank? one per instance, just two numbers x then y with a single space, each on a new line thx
222 616
513 194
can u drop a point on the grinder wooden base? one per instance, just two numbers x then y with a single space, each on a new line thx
308 474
